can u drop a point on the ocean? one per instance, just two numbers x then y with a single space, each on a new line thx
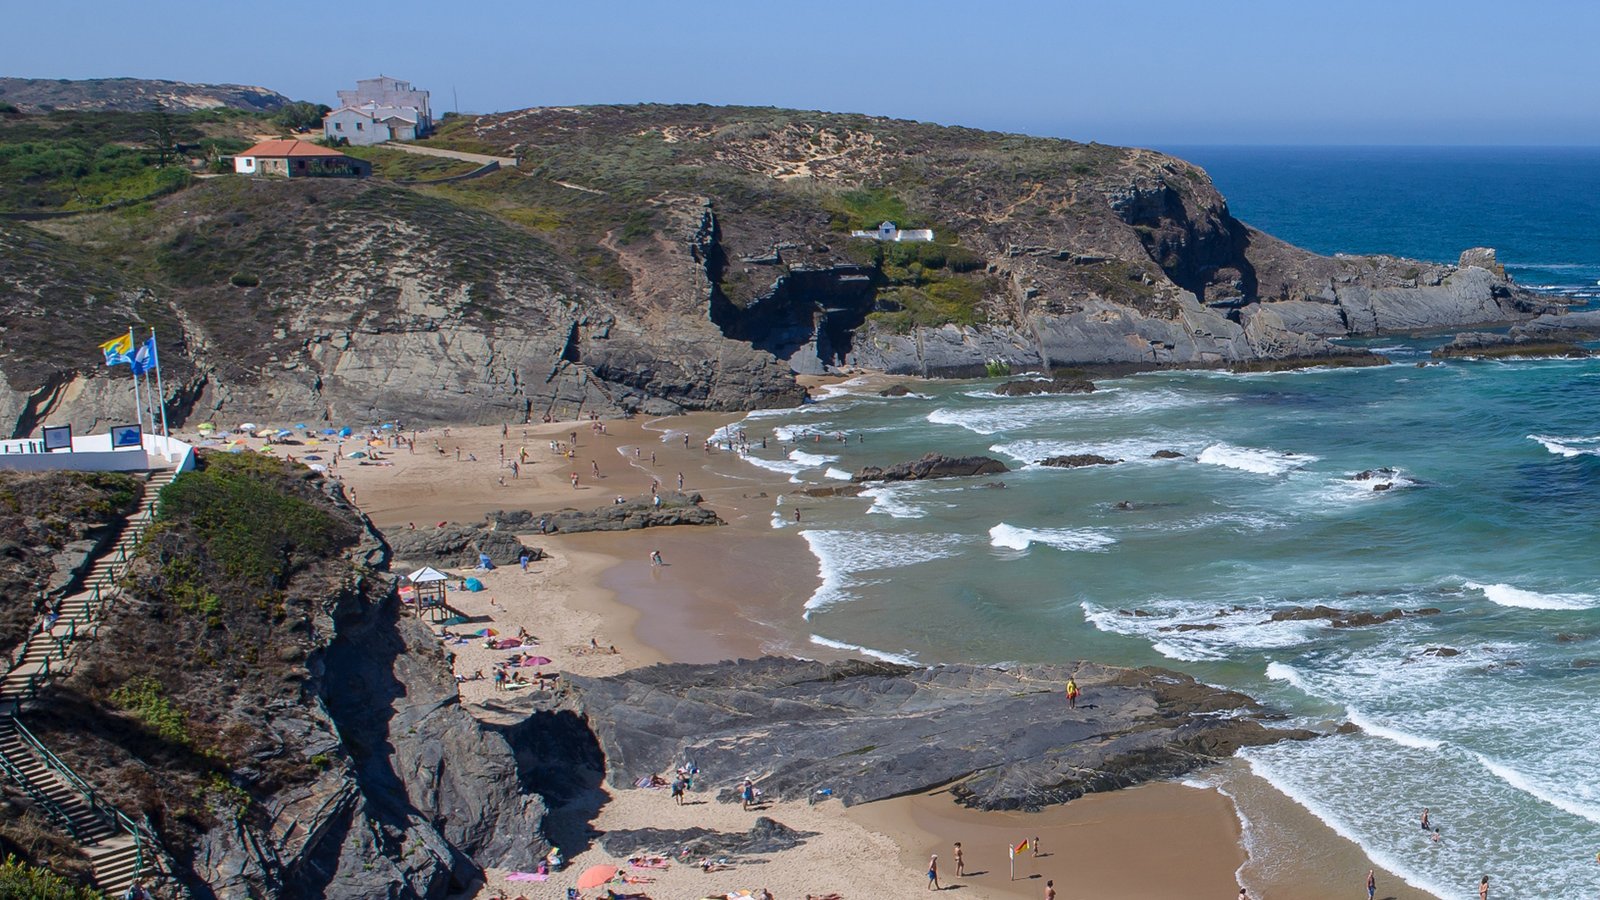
1478 703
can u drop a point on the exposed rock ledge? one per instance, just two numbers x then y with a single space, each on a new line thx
1057 385
675 509
933 465
1003 738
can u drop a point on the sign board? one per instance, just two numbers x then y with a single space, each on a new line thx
126 436
57 437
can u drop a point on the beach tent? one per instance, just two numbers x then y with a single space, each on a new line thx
345 432
330 431
472 584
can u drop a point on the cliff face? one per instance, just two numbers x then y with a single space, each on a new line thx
258 697
667 258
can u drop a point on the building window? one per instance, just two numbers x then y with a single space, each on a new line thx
358 126
338 126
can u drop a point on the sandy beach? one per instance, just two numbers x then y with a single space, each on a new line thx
596 606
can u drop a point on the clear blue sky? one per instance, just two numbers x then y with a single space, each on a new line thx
1151 72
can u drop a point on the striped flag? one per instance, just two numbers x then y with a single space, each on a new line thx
118 350
1019 849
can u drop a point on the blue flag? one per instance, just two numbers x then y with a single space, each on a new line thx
144 358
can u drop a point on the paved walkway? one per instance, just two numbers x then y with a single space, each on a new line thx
481 159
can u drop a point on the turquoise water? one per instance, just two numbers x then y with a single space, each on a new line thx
1483 712
1489 519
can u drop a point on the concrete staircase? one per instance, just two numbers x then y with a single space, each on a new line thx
119 849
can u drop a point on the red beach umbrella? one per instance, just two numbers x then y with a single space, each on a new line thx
594 876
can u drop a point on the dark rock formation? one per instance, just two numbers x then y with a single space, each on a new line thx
1075 460
831 490
1057 385
458 545
897 390
311 740
1166 454
765 836
1441 651
1486 345
675 509
1002 738
1340 618
933 465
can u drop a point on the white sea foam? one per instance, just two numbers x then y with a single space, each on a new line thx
1568 446
842 556
837 474
811 460
1509 595
1269 771
891 501
1278 671
1531 787
1013 414
1132 450
901 659
1249 459
1376 729
1082 539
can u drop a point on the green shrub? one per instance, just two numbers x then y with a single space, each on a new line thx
240 279
146 700
20 881
252 531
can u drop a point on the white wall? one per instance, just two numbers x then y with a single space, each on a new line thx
244 165
93 453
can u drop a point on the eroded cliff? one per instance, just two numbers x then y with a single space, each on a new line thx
663 258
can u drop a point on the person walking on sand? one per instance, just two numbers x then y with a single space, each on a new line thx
1372 884
1035 846
655 558
1050 890
680 482
961 865
933 873
1072 692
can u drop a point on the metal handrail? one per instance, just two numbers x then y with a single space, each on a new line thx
97 804
52 809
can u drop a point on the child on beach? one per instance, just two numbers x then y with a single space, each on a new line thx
933 873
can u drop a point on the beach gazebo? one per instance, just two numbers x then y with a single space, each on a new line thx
428 584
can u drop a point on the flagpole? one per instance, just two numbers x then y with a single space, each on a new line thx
138 404
162 391
149 395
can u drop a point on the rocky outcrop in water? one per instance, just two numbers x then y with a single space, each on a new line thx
1057 385
1077 460
1000 738
1490 345
933 465
675 509
1342 618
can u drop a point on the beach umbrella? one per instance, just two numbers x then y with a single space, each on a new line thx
284 432
207 427
311 457
345 432
266 432
486 632
388 425
249 426
594 876
358 455
330 431
536 660
473 584
300 425
318 467
374 443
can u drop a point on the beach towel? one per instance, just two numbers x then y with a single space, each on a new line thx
526 876
508 643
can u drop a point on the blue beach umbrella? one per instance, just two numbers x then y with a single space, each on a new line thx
389 426
330 431
345 432
300 425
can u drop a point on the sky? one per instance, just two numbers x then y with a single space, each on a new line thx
1151 73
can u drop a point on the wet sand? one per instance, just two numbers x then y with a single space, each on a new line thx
738 591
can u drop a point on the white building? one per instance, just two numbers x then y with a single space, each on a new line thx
379 109
371 124
888 231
